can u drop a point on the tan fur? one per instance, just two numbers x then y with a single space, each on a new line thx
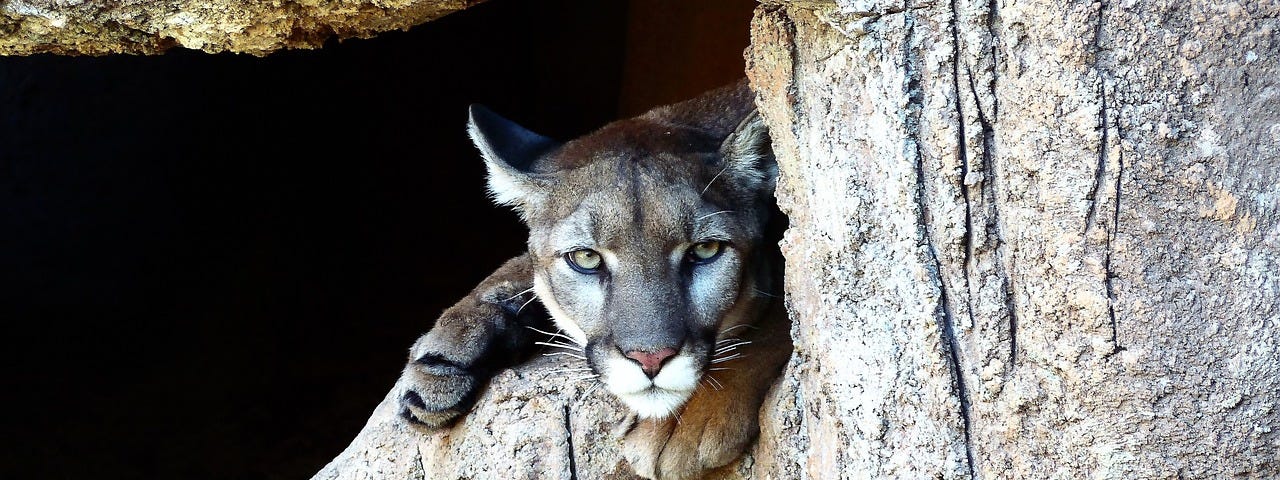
639 191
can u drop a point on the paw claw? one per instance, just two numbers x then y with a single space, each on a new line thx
438 365
416 412
413 399
407 415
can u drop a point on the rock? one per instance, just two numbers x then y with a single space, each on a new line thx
69 27
871 390
1028 240
534 421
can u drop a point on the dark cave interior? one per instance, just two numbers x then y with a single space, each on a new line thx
212 265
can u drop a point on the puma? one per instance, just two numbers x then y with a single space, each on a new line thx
653 247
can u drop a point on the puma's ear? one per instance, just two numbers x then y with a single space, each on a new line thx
747 153
509 152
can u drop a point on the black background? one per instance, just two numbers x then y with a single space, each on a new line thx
211 266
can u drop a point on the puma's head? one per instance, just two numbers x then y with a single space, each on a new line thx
646 235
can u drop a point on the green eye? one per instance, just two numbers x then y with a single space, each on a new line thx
584 261
705 252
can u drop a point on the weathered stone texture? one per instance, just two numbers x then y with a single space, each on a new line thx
1086 195
874 384
147 26
535 421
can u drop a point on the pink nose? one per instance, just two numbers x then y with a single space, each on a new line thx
651 362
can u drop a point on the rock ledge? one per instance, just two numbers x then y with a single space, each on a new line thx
80 27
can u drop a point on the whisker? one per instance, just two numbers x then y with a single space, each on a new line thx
713 180
561 335
518 310
725 359
715 383
733 346
767 294
713 214
570 370
718 369
513 297
558 341
593 388
735 327
560 345
587 377
721 352
567 354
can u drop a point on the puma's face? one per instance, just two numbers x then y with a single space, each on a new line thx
644 236
645 273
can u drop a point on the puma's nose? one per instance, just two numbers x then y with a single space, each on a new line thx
651 362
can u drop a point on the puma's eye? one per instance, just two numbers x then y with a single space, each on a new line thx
584 261
705 252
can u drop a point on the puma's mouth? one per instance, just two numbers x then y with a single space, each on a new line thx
658 397
655 402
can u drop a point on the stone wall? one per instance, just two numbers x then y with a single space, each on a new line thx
1028 239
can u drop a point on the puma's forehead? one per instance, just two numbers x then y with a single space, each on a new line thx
632 211
655 145
637 197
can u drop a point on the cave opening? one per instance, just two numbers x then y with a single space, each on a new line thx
213 264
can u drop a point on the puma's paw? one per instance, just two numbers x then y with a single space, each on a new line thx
436 392
450 364
725 439
702 440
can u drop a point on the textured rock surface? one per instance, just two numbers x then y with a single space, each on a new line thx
535 421
871 380
149 26
1027 240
